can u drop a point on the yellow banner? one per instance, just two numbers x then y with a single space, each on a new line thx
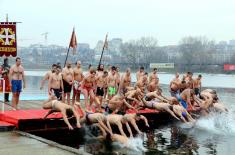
7 49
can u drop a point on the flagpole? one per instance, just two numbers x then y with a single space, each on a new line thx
101 56
103 50
66 56
73 44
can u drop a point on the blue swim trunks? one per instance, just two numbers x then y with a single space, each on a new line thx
183 102
16 86
184 114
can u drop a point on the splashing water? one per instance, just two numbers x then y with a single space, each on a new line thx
222 124
134 144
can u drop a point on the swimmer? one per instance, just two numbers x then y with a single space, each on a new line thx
66 110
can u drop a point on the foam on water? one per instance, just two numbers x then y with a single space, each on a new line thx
222 124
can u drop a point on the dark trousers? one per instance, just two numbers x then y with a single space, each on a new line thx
6 97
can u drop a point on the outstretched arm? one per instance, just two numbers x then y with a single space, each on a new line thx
128 105
48 113
44 79
77 116
130 97
145 120
49 86
109 126
104 127
133 123
129 129
119 124
66 120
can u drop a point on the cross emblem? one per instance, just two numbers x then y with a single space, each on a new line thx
9 36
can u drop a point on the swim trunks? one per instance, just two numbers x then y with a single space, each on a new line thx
183 102
100 91
87 88
150 104
184 114
53 104
88 122
197 91
123 91
111 90
67 87
16 86
147 98
76 86
174 93
57 93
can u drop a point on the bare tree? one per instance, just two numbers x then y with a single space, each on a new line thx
195 51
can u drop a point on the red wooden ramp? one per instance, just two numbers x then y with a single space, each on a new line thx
4 126
32 119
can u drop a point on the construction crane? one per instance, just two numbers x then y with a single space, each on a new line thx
45 36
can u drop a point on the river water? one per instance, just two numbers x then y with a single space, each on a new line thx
212 135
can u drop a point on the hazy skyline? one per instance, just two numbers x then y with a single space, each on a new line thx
167 20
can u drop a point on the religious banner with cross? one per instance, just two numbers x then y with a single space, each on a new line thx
8 39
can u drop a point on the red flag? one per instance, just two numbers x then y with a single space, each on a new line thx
73 41
8 39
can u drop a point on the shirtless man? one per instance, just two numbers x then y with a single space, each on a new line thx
87 88
118 104
156 95
66 110
205 103
116 138
121 139
16 76
133 97
142 83
182 113
100 83
185 76
161 106
219 107
153 76
175 85
47 75
183 86
112 83
55 84
78 77
132 118
140 73
154 85
118 120
211 100
68 77
125 82
100 70
185 98
109 69
189 80
198 85
118 77
98 119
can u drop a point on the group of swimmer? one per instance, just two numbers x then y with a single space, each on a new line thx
112 99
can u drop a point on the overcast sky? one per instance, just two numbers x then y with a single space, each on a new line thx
167 20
